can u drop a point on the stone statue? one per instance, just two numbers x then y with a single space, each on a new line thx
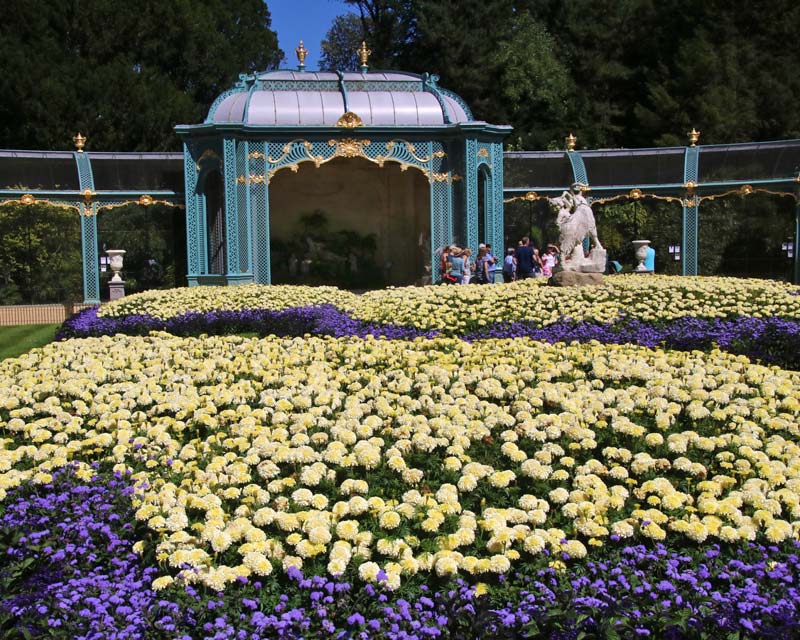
575 221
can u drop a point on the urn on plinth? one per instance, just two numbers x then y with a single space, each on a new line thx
115 262
640 251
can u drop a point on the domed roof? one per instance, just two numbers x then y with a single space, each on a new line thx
308 99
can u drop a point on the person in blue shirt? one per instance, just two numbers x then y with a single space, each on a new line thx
650 260
524 256
510 266
455 265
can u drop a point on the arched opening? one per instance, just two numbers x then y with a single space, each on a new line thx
350 223
214 199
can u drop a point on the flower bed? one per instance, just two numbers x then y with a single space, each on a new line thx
759 319
348 482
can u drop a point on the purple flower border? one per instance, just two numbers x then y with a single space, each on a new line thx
770 340
68 571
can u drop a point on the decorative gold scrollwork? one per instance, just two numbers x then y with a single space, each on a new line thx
349 148
255 154
145 200
253 178
409 147
27 199
350 120
439 154
635 194
483 153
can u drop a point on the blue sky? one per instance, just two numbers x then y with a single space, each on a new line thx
306 20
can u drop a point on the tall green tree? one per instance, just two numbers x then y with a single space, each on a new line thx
122 73
341 43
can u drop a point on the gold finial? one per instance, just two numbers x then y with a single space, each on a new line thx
694 136
79 141
301 52
570 140
363 55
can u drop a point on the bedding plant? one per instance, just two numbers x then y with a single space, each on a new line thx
405 484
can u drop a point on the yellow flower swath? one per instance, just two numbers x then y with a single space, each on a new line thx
252 456
458 310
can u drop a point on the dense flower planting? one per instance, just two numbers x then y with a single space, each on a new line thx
455 311
356 473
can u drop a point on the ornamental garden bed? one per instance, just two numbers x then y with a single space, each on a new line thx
409 463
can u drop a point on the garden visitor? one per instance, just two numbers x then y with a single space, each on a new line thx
537 263
509 266
482 266
455 266
468 264
650 260
549 260
495 268
524 257
445 253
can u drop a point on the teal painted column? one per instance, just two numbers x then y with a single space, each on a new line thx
192 213
88 212
259 212
495 228
690 211
471 187
441 206
231 208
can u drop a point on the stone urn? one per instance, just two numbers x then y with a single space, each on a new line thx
640 251
115 262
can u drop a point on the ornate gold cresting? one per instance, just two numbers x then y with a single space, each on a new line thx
363 56
350 120
145 200
80 142
27 199
349 148
482 152
301 52
694 136
570 141
635 194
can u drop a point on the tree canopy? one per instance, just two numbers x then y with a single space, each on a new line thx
630 73
122 73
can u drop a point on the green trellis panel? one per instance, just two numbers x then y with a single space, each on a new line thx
690 213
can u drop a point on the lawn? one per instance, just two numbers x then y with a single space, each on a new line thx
18 339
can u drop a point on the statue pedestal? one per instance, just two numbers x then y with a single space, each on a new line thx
116 290
575 279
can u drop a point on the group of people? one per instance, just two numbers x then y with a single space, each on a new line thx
458 266
526 262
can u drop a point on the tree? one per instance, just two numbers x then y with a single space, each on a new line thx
40 256
339 48
122 73
388 29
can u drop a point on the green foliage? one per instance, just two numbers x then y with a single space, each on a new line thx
40 255
122 73
154 240
341 44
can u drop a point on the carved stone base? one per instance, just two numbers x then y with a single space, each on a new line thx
575 279
595 262
116 290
